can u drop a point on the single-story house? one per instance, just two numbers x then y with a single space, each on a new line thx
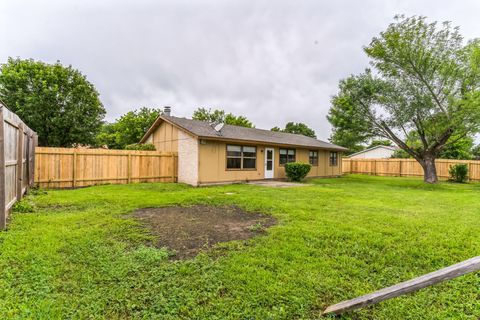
377 152
217 153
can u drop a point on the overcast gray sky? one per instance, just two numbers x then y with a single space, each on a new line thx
272 61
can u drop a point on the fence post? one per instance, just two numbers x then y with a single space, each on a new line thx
3 213
129 167
374 167
19 161
470 167
400 167
74 168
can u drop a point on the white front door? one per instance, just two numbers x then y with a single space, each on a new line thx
269 163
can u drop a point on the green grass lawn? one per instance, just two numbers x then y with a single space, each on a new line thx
75 254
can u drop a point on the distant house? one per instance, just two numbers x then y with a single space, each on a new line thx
378 152
216 153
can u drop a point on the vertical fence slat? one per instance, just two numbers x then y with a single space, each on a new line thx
19 174
74 168
129 168
3 203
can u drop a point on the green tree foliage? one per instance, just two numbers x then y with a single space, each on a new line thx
56 101
128 129
426 80
380 142
460 148
476 152
297 128
349 129
219 116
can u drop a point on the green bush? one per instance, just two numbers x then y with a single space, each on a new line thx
458 172
297 171
140 146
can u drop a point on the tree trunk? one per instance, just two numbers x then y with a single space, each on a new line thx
429 170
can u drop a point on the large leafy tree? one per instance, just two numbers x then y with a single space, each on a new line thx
128 129
297 128
425 80
219 116
58 102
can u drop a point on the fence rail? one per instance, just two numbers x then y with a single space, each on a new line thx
72 167
17 157
406 167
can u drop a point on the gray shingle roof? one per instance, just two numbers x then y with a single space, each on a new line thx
204 129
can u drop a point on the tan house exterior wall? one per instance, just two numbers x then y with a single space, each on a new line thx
323 169
165 138
187 159
204 161
212 163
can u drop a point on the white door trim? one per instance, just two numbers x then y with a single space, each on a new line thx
269 174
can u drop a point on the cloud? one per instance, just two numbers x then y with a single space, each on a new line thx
272 61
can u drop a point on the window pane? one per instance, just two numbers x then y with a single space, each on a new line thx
249 152
291 152
313 159
269 154
234 163
269 165
249 163
291 158
283 158
234 151
333 158
283 151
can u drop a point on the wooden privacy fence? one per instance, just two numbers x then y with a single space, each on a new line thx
406 167
17 157
72 167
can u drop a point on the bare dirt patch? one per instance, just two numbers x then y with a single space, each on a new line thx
188 230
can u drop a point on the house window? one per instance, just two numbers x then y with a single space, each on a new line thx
287 155
333 159
313 157
241 157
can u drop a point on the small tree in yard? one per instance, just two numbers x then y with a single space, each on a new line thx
297 171
425 80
